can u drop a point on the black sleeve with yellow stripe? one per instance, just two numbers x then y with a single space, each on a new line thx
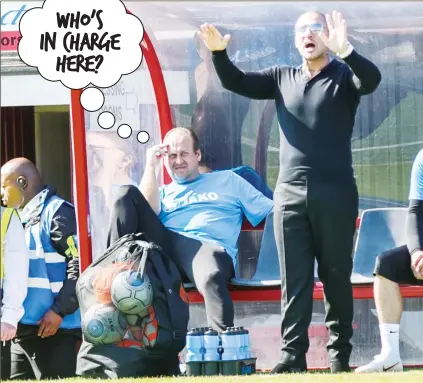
63 235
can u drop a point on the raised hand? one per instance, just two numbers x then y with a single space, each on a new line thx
212 38
155 154
337 41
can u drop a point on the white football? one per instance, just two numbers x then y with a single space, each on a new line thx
103 324
132 293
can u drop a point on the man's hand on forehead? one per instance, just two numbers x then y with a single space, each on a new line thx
161 152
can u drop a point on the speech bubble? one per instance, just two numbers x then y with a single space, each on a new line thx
83 44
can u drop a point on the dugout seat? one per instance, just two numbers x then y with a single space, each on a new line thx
267 272
380 230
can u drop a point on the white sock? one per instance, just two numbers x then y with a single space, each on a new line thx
389 334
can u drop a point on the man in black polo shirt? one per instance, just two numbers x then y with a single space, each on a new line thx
316 198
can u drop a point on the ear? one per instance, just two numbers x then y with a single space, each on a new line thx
198 154
22 182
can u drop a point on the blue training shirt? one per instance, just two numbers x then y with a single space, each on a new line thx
211 208
416 183
250 175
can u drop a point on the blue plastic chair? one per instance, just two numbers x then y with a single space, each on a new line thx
380 230
267 272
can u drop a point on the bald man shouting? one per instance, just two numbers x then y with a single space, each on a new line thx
51 325
316 195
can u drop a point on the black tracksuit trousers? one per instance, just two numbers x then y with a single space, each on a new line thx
315 219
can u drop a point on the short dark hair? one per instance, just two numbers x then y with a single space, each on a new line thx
189 132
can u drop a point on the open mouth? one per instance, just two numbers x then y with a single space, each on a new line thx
309 47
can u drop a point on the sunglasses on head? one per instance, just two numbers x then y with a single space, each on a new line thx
315 27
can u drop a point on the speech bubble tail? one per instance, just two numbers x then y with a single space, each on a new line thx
124 131
106 120
92 99
143 137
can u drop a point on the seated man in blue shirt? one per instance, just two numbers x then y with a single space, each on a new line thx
196 219
403 265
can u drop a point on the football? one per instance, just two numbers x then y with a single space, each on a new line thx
146 329
149 329
86 280
103 324
103 281
136 319
132 292
86 286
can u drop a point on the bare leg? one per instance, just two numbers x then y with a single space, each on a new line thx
393 267
388 300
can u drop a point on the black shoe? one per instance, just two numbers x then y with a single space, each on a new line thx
297 365
281 368
337 366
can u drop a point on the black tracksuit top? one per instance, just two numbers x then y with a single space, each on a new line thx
316 116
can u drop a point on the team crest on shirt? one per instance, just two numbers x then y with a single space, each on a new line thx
170 203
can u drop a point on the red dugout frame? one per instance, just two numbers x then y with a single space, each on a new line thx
165 120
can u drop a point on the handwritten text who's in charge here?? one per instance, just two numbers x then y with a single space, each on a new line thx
95 42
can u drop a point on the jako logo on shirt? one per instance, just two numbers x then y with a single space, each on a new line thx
171 204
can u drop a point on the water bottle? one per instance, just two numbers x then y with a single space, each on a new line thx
239 342
194 346
246 336
202 330
229 344
211 345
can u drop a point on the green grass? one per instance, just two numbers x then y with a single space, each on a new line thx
315 377
382 168
389 182
403 125
272 177
384 181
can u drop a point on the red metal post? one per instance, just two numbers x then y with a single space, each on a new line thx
80 184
